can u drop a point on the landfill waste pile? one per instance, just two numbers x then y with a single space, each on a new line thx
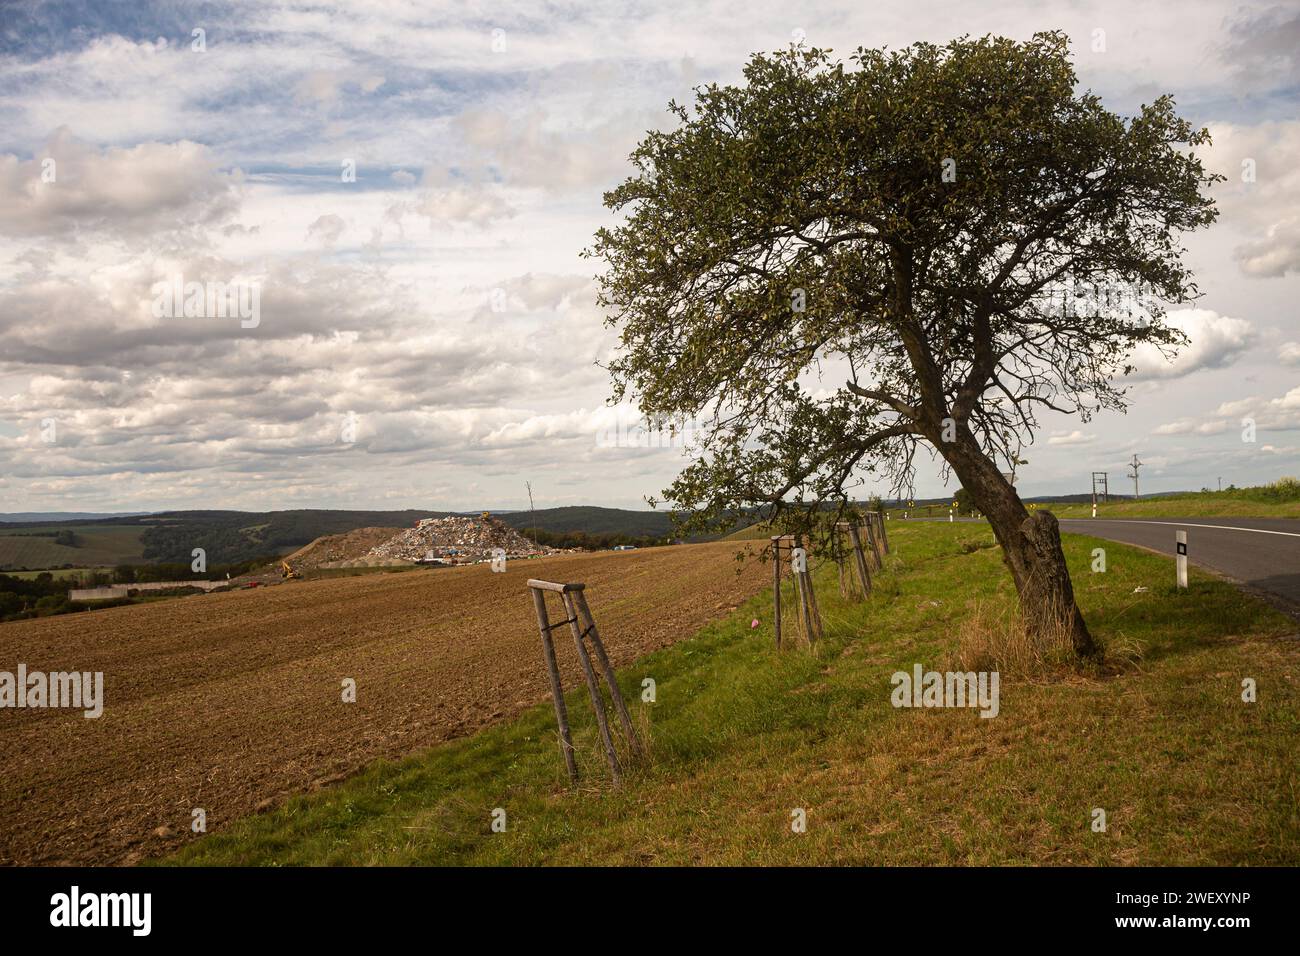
457 540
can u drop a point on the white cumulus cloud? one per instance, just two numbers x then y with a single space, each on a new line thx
1214 341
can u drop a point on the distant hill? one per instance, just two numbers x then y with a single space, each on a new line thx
230 537
28 539
47 516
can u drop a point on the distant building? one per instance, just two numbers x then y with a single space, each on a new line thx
94 594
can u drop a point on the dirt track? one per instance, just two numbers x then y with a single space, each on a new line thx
227 701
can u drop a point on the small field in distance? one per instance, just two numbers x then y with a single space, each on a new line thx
97 545
742 736
61 574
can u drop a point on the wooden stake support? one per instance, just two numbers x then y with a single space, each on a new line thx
808 614
583 626
776 589
873 542
557 689
859 556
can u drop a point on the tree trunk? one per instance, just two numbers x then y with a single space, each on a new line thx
1031 547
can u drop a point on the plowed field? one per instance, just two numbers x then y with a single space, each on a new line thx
231 702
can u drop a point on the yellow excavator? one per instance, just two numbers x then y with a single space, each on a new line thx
287 572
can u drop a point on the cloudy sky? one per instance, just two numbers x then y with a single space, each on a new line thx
426 334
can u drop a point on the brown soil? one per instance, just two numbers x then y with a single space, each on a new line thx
232 701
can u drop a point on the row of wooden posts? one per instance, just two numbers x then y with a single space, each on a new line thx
865 556
582 625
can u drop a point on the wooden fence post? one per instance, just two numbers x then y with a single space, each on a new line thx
597 704
860 559
557 690
807 600
807 613
597 645
871 544
812 601
776 588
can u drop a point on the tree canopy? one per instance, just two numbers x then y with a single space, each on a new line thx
829 266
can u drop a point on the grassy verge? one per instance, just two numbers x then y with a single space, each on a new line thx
743 736
1279 499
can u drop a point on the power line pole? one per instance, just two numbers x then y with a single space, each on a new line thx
1100 487
1135 465
531 510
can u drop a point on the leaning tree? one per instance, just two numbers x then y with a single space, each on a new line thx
831 266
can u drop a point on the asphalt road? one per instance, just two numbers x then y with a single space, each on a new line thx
1263 553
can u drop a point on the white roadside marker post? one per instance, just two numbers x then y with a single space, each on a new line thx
1180 546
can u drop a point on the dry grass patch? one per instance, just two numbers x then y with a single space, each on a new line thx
996 638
